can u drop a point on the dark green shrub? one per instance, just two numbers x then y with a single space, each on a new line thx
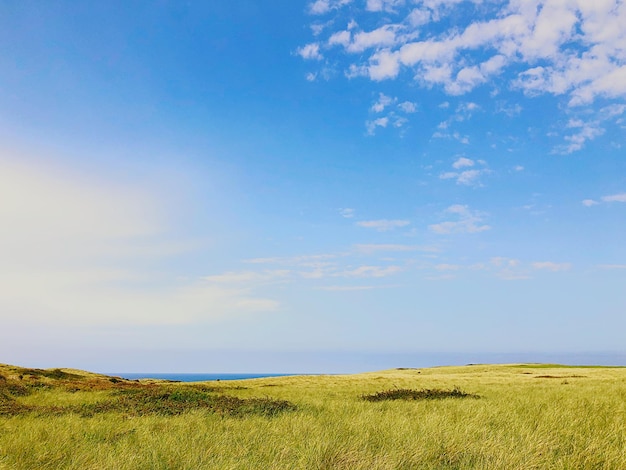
424 394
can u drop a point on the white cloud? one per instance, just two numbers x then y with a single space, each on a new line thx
392 118
381 37
620 197
612 266
382 103
320 7
235 277
399 121
341 38
510 110
588 131
462 162
347 213
318 28
371 271
467 221
467 108
375 248
551 266
611 111
382 5
372 125
466 177
383 65
408 107
508 269
310 51
463 139
303 260
615 198
418 17
503 262
571 48
383 225
469 177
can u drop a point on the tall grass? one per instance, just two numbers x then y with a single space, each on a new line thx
573 419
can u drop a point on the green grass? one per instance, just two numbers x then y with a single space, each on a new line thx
472 417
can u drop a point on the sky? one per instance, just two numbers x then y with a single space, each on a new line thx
312 186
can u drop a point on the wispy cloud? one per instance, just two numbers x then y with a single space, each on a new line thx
448 267
383 225
396 114
467 221
373 124
465 177
620 197
589 202
371 271
302 260
551 266
248 276
584 131
464 111
347 213
376 248
347 288
508 269
615 198
612 266
383 101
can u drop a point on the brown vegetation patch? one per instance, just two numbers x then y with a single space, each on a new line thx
133 398
411 394
174 401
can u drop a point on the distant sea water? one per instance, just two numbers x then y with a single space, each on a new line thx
193 377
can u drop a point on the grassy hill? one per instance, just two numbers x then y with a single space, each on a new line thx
520 416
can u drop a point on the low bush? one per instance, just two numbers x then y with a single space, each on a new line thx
411 394
164 401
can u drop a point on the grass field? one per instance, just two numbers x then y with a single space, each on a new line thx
473 417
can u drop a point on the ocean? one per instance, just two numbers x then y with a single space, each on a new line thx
192 377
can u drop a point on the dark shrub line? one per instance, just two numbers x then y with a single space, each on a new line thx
149 399
560 376
169 402
411 394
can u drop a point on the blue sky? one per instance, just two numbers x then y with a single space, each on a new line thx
327 186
